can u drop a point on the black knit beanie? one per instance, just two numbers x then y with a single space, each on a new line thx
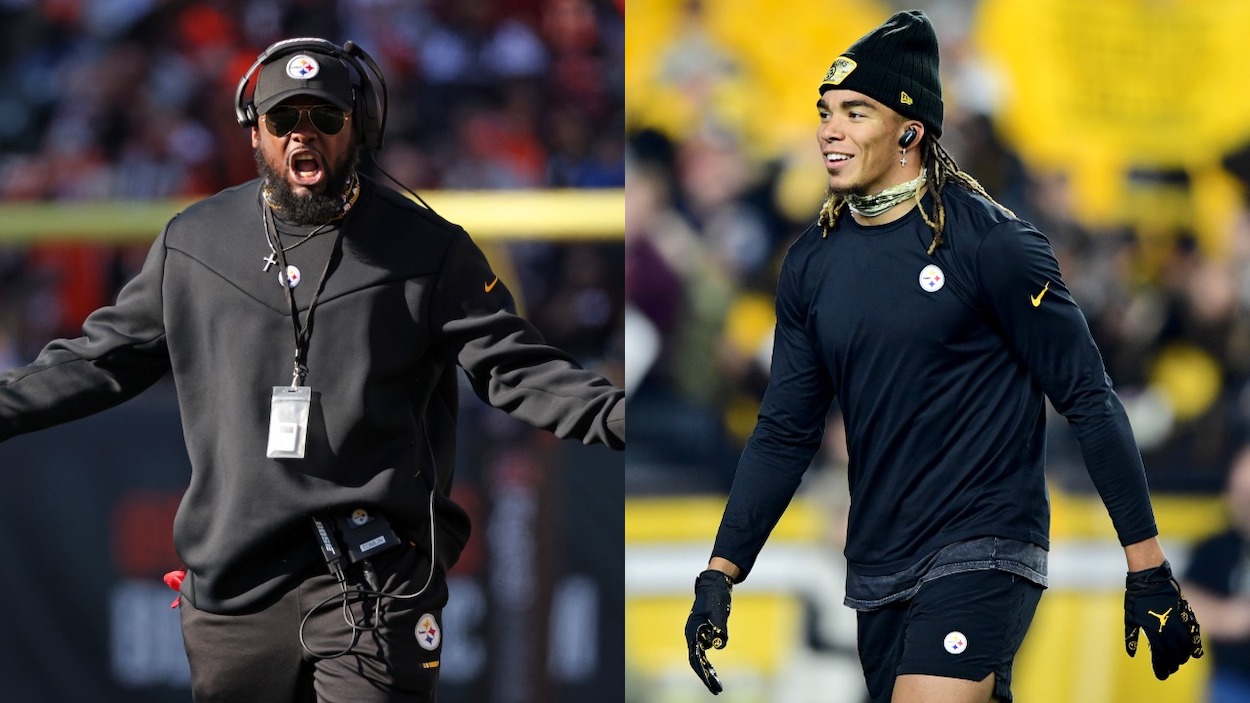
895 64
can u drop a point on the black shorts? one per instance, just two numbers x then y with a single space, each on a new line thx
964 626
259 657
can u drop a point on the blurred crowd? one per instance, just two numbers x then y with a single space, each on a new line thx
711 213
134 99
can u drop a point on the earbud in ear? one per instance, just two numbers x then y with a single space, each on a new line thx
908 137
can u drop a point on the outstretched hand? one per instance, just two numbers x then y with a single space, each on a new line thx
1154 604
708 624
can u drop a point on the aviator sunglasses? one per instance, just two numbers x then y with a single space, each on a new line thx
281 120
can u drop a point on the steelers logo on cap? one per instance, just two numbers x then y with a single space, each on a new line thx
956 643
302 67
839 70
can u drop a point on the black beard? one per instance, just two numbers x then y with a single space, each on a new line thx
311 209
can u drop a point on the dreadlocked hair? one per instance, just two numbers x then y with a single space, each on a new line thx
942 169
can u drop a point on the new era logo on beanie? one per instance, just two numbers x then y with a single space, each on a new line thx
895 64
303 73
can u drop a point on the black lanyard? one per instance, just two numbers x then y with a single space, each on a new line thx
302 332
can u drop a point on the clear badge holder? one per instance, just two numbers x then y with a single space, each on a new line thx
288 422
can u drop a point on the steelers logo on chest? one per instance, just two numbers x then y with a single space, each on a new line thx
932 279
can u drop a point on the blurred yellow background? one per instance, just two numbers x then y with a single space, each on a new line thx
1133 107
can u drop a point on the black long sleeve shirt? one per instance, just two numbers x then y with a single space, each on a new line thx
408 298
940 365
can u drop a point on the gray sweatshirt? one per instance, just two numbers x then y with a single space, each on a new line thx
407 298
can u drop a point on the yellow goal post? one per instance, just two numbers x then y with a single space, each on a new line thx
567 215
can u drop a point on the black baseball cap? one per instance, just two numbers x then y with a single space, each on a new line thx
303 73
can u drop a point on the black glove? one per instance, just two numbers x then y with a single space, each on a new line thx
708 624
1153 602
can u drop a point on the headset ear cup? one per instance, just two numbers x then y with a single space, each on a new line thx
372 137
358 117
370 125
370 105
367 126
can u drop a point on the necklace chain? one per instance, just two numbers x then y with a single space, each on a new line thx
304 238
349 199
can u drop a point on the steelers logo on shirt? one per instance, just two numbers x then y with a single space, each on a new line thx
291 277
956 643
932 279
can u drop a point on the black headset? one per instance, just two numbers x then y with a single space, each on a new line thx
908 137
368 105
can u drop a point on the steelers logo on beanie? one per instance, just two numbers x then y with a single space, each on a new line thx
895 64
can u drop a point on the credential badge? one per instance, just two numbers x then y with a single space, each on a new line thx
839 70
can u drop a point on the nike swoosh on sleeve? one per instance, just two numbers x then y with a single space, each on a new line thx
1037 299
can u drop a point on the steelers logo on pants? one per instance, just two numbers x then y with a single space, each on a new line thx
429 634
956 643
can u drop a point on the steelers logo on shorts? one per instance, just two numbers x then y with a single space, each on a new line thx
956 643
429 634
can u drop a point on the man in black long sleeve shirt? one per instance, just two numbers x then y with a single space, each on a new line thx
940 323
314 283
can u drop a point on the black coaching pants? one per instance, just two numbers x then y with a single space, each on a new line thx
258 657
